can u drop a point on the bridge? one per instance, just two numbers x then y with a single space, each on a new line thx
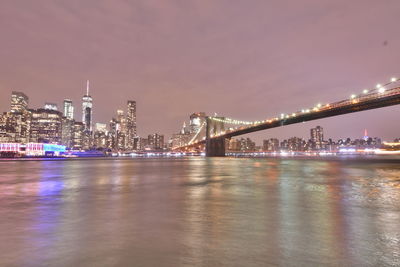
216 132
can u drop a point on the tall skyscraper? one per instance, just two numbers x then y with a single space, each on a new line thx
87 109
68 109
19 102
130 124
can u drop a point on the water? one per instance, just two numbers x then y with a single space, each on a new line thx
199 212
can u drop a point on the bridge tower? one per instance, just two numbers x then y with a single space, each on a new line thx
215 147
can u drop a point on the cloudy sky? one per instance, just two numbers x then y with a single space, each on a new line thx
245 59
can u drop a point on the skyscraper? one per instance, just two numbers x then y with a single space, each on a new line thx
19 102
68 109
130 124
87 109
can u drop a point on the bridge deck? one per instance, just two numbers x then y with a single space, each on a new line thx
360 103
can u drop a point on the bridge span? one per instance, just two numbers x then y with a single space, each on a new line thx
214 144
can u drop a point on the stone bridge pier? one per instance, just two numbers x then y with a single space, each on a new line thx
215 147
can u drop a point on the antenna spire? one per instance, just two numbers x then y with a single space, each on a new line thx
87 87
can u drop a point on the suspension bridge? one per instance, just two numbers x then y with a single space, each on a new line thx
214 132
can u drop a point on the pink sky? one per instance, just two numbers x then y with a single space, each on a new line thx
243 59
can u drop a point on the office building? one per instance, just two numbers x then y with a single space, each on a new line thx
67 132
45 126
87 109
271 144
78 132
19 102
131 131
68 109
317 137
156 141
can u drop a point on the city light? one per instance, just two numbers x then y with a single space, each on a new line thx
381 90
365 91
393 79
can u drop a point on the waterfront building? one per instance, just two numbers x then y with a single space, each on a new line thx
14 127
116 135
271 144
317 137
87 109
68 109
296 144
131 131
144 144
156 141
78 133
242 144
45 126
67 132
19 102
136 143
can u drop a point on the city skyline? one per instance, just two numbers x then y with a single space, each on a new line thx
69 111
245 56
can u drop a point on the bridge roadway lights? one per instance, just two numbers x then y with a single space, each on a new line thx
215 147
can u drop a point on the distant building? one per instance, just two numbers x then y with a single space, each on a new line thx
45 126
317 137
87 109
131 131
68 109
242 144
19 102
101 127
156 141
144 144
196 121
271 144
182 138
15 127
296 144
50 106
78 132
67 132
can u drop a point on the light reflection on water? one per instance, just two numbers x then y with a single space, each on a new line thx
199 211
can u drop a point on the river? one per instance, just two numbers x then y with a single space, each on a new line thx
200 212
